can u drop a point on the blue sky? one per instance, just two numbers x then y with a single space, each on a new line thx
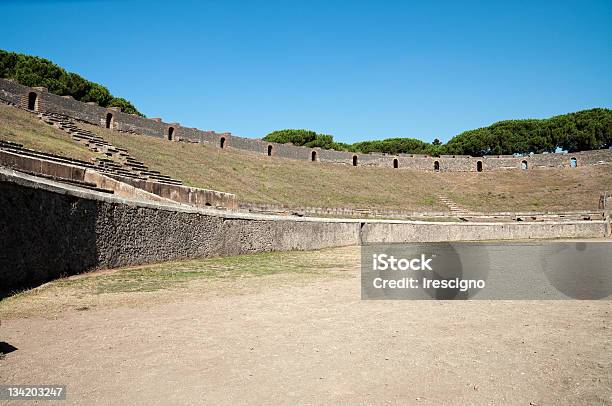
356 69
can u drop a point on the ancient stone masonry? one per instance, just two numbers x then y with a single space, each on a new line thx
110 179
454 207
122 164
39 100
52 229
454 211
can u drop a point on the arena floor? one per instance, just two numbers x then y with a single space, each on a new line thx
298 336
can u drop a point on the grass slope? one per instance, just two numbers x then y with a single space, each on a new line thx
27 129
262 179
559 189
259 178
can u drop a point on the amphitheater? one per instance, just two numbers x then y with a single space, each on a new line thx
144 262
113 210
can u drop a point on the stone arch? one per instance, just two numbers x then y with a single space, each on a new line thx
109 120
170 133
313 156
222 142
395 163
32 101
573 162
354 160
436 166
479 166
270 150
524 165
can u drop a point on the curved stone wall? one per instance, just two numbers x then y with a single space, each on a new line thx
17 94
50 230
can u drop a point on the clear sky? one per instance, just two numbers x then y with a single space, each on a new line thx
356 69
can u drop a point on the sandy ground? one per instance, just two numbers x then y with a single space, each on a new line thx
291 339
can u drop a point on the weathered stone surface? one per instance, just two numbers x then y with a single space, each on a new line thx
15 93
428 232
48 230
121 185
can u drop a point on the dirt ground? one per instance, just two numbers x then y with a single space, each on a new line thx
304 338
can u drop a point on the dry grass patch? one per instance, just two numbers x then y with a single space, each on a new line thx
166 281
261 179
536 189
26 128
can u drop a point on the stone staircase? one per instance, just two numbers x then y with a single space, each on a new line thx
19 149
455 209
113 160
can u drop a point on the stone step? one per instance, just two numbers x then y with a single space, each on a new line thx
131 167
11 144
140 168
49 157
75 182
167 182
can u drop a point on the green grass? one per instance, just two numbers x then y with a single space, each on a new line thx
429 201
175 274
160 280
